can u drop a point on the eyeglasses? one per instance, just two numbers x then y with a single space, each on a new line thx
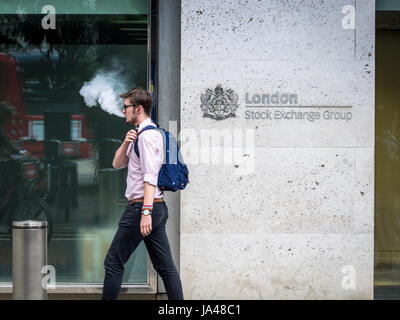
128 105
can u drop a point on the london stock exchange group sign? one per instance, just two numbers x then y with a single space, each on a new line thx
222 103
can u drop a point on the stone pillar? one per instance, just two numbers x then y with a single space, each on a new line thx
168 111
281 203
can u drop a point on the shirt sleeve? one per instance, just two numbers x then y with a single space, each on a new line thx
151 155
127 156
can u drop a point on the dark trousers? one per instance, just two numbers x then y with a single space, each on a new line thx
127 239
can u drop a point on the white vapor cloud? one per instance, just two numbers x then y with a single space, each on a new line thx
104 90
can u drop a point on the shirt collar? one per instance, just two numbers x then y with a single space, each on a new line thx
145 123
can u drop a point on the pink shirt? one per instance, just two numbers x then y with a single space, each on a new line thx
147 167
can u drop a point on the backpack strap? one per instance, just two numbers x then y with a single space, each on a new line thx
135 145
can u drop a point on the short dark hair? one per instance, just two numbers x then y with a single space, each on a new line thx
139 96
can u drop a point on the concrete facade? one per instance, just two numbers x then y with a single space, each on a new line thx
286 209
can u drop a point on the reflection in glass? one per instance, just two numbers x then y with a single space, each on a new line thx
387 160
56 147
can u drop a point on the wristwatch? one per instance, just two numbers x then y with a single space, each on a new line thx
146 212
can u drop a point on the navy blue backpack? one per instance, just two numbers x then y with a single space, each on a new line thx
174 174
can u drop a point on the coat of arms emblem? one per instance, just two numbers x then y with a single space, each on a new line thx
219 104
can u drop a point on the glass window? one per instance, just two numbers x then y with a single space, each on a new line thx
387 5
387 156
36 129
61 122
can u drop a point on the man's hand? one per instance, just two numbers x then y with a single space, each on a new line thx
145 225
130 136
120 155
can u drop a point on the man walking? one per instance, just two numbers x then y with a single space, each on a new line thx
146 214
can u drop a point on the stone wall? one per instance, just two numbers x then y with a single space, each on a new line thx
282 205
